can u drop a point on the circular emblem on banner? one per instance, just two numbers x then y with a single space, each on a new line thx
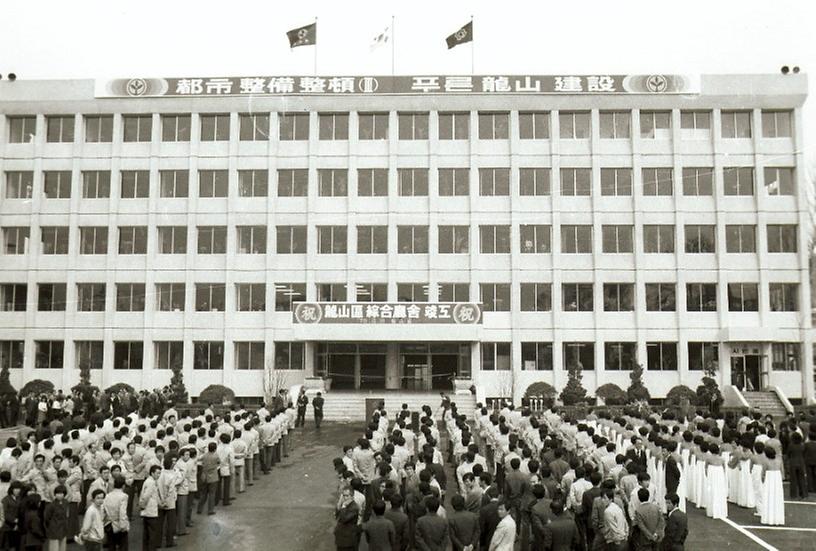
136 87
657 83
308 312
368 85
467 313
460 34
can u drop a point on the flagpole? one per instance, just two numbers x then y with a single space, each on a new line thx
393 39
472 50
315 48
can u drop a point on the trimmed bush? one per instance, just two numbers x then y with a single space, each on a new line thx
216 395
637 391
5 384
114 389
37 386
86 391
677 393
543 390
612 394
574 393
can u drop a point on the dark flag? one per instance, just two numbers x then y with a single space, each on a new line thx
465 34
303 36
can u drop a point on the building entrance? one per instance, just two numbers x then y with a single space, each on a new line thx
746 372
352 366
433 366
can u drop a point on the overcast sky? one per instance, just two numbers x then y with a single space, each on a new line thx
94 38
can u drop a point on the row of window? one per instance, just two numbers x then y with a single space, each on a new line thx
532 125
411 182
168 354
493 239
495 297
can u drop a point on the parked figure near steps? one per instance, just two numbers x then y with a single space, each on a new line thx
317 404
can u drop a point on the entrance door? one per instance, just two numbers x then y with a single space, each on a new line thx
753 372
738 372
342 371
414 370
372 371
443 370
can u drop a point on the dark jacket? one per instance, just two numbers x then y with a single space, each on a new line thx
463 527
401 535
672 475
561 534
676 531
796 455
345 531
540 514
317 405
488 520
11 512
637 457
810 452
432 533
55 518
33 532
380 534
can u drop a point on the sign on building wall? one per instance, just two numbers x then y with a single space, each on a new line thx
467 313
430 84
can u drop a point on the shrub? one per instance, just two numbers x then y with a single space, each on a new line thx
37 386
5 384
637 391
574 392
612 394
178 392
114 389
85 390
543 390
677 393
216 395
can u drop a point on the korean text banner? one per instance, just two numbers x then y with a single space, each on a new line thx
466 313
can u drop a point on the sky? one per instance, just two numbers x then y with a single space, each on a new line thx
149 38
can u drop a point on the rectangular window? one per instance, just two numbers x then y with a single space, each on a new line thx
496 356
51 297
695 125
253 127
454 292
618 238
135 184
208 355
333 182
784 297
412 182
93 240
293 182
660 297
779 180
172 239
332 240
54 239
573 125
620 356
413 126
454 182
743 297
372 182
658 181
577 297
290 240
13 297
170 297
372 292
535 238
785 356
536 297
90 354
96 184
452 126
213 183
130 297
294 126
57 184
579 354
576 239
658 238
250 297
137 128
286 294
616 182
11 354
215 127
212 240
59 128
576 182
736 124
782 238
48 354
210 297
373 126
412 292
701 355
174 183
534 125
331 292
661 356
372 239
777 124
494 126
655 125
534 181
19 184
454 239
249 355
701 297
90 297
176 128
333 126
536 356
615 125
98 128
738 180
22 129
15 239
253 183
619 297
128 355
700 238
698 181
289 355
740 238
494 239
169 354
412 239
251 239
494 181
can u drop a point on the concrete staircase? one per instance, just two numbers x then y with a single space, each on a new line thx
767 401
343 405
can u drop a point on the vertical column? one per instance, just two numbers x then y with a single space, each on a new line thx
559 376
722 281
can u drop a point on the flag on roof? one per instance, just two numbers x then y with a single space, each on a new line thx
303 36
465 34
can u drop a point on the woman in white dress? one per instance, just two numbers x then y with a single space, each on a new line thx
757 468
773 496
746 483
717 502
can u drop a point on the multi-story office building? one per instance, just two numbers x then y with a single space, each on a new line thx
396 232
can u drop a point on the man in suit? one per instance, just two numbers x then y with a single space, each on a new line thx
672 470
516 484
650 523
810 460
539 516
489 517
637 453
561 534
463 526
504 537
676 525
379 531
431 529
317 405
400 521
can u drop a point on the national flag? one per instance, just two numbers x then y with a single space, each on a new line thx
381 39
303 36
465 34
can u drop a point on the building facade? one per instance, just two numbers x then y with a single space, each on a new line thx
423 233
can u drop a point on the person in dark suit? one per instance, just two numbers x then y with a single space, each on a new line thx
676 525
650 523
400 521
672 470
317 405
463 526
489 517
561 534
637 453
432 530
810 459
345 531
516 484
796 467
539 516
379 531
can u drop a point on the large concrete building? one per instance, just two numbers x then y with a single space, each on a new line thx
406 232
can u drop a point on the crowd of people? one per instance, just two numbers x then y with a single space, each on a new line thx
548 481
91 467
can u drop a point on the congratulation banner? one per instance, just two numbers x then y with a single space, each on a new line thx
467 313
426 84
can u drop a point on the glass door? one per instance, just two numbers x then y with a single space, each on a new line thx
738 372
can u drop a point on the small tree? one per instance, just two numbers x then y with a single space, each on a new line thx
5 382
274 380
637 391
178 392
574 392
612 394
543 391
708 393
